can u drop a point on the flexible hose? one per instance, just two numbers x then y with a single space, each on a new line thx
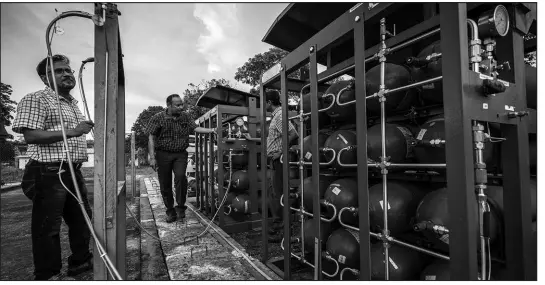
109 265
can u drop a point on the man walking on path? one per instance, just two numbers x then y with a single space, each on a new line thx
169 132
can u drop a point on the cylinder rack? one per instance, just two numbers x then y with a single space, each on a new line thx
483 82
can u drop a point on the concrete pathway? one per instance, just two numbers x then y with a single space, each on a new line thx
214 256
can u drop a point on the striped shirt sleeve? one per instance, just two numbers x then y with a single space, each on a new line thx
31 114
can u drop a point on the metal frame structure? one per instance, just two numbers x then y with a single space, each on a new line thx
462 107
205 157
110 191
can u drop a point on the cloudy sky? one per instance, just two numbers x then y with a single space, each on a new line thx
166 46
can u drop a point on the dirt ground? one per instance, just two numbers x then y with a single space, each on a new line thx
16 246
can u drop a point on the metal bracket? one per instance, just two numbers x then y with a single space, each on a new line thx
109 222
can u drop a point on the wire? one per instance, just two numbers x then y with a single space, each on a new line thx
105 258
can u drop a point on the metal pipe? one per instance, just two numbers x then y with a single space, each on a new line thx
339 96
391 239
474 34
369 165
301 167
418 165
327 256
412 85
480 185
109 265
133 158
310 163
413 40
384 171
320 110
302 211
354 271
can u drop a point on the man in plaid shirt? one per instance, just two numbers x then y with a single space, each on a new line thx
274 151
38 119
169 132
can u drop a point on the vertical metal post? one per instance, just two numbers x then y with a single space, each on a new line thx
206 169
211 167
133 157
197 168
264 181
315 161
221 174
515 157
109 169
460 177
285 173
252 156
361 132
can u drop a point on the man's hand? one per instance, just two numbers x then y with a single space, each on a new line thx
83 128
153 163
276 155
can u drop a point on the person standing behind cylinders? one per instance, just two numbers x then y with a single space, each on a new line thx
274 151
169 132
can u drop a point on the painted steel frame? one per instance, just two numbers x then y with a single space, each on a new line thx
204 148
110 231
463 105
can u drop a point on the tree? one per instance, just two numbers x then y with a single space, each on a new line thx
192 94
139 126
7 152
6 104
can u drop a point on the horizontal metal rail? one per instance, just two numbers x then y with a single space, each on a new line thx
323 202
302 259
310 163
320 110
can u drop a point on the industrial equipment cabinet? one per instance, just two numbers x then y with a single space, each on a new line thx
346 40
225 105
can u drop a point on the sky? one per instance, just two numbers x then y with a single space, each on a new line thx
166 46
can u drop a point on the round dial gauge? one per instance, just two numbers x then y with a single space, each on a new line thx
240 122
501 20
494 23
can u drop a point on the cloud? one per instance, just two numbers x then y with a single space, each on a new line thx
221 46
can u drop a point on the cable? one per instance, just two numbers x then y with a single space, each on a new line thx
110 267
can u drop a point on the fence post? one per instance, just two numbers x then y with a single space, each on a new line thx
133 157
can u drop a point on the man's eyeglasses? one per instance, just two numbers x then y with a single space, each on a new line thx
60 71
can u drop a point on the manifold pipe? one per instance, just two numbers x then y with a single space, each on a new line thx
310 163
474 34
391 239
354 271
320 110
109 264
302 211
303 260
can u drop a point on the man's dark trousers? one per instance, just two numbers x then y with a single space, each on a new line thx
276 192
52 203
167 162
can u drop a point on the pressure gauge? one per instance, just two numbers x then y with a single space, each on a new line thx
494 23
240 122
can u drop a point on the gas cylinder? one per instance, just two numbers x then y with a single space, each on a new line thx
433 211
310 233
240 180
341 113
307 146
395 76
434 130
225 176
344 246
323 118
339 140
309 191
403 199
495 193
403 263
239 158
399 143
241 204
431 93
229 199
343 193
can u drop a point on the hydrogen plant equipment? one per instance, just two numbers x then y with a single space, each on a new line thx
425 145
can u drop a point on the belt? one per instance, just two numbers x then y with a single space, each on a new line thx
53 166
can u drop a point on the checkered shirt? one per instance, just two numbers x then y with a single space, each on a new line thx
274 140
172 133
39 111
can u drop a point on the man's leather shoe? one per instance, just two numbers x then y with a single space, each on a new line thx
171 218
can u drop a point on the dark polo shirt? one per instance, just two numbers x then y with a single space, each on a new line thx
172 133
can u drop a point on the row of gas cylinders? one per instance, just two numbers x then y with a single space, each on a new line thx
413 210
343 245
404 143
399 75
